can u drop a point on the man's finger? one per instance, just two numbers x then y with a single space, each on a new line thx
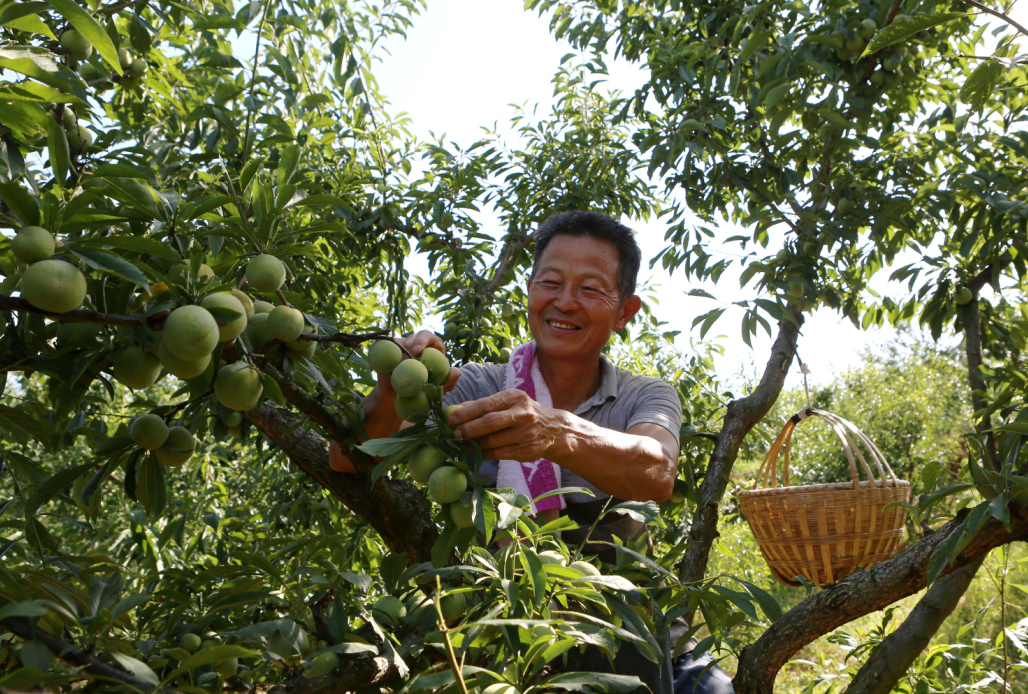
486 424
426 338
473 409
451 380
506 453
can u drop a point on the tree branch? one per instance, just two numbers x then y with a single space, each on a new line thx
741 416
861 593
397 509
894 655
71 653
508 255
1005 17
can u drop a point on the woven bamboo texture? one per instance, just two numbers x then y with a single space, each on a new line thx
824 532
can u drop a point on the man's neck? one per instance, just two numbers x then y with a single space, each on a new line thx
571 381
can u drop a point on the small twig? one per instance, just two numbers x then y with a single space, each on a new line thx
9 303
996 13
71 653
253 83
281 297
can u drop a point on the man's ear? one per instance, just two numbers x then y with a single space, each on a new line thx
629 308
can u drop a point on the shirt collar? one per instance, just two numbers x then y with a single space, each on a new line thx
608 389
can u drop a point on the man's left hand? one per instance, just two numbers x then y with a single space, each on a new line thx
511 426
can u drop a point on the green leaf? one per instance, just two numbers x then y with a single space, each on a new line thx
137 244
136 194
904 29
88 27
150 488
109 262
272 391
213 654
21 203
768 605
388 446
52 486
593 681
137 668
981 84
57 146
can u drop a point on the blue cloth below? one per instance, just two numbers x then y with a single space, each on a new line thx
688 680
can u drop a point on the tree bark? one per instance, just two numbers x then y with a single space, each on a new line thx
397 509
897 651
741 416
862 593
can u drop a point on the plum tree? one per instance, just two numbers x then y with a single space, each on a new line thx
389 610
182 368
461 515
77 45
415 408
436 363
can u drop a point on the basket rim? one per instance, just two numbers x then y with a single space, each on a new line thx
829 486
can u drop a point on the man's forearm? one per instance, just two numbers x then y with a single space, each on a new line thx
624 465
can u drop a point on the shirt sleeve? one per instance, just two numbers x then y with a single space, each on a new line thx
658 403
476 381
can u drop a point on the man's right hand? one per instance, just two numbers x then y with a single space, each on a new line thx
379 405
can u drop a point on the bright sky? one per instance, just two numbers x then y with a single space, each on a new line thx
461 67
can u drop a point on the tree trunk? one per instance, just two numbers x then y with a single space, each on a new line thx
862 593
741 416
897 651
397 509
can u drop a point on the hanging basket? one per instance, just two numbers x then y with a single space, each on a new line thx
825 531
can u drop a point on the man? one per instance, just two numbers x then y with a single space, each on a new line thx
611 431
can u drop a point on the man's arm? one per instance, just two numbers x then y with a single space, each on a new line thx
637 465
380 418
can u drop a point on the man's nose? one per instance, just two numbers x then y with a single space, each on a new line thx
567 298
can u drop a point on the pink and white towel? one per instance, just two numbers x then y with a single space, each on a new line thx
542 476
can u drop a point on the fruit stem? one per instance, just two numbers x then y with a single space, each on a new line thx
445 631
282 297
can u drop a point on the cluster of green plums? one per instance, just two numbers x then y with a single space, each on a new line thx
190 335
417 383
80 49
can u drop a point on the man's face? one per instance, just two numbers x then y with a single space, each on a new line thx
573 301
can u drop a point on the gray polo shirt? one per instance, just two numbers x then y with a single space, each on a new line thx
622 400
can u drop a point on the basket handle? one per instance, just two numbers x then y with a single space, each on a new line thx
848 435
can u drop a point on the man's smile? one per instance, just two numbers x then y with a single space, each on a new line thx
561 325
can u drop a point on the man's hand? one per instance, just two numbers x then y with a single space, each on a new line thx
379 406
511 426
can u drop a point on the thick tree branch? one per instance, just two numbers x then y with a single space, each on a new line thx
862 593
508 255
894 655
741 416
70 653
395 508
354 672
1005 17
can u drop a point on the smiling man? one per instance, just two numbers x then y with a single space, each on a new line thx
609 430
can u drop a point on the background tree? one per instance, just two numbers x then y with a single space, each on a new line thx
167 196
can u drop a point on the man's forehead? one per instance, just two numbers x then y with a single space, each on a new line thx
581 255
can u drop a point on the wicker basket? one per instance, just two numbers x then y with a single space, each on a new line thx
825 531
